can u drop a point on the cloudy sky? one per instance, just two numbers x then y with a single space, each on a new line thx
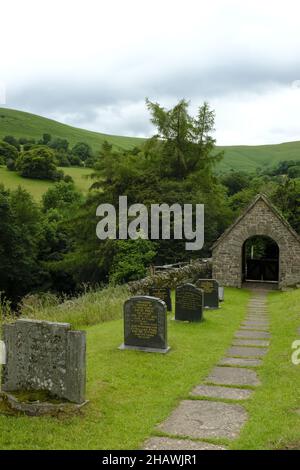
91 63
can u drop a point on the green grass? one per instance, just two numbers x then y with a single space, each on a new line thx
239 157
21 124
130 392
273 422
94 307
37 188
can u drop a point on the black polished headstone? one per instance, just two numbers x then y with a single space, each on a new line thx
210 289
145 324
188 303
163 293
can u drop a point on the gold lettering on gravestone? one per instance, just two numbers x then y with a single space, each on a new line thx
188 300
144 320
206 286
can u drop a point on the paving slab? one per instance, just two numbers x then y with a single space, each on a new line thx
243 351
215 391
240 362
233 376
252 334
255 323
255 327
251 342
167 443
257 318
205 419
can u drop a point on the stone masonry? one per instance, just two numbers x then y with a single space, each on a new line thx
44 356
261 218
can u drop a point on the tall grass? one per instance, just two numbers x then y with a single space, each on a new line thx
94 306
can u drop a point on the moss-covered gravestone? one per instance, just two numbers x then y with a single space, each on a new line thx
145 324
210 289
44 356
163 293
188 303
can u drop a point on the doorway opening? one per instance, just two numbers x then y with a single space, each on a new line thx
260 260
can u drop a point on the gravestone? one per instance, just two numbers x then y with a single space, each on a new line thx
221 293
44 356
188 303
163 293
210 289
145 324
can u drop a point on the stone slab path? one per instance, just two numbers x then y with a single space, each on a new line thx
205 415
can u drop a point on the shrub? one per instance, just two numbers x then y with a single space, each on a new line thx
8 152
39 163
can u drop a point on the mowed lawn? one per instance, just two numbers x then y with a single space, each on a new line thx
274 421
130 392
37 188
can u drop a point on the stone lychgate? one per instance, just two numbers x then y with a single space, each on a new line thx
260 219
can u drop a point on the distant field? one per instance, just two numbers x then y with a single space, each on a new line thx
12 180
20 124
247 158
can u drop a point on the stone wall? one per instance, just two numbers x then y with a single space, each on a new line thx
172 277
259 219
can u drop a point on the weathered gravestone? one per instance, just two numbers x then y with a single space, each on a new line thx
44 356
163 293
145 324
210 289
221 293
188 303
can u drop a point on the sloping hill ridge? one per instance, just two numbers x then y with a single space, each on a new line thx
241 157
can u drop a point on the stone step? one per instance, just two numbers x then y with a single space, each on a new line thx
201 419
233 376
255 327
243 351
240 362
252 334
251 342
214 391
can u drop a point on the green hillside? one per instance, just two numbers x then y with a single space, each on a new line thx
20 124
243 157
248 158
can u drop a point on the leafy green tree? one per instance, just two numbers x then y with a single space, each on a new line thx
59 144
11 140
131 260
46 139
38 163
82 150
186 142
61 195
19 239
236 181
7 152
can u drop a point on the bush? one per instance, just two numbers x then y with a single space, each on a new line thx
8 152
60 195
82 150
9 139
39 163
11 164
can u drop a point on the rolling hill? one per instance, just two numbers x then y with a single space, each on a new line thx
22 124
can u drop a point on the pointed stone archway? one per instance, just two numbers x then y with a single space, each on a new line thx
260 219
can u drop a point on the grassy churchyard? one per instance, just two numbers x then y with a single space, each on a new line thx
131 392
